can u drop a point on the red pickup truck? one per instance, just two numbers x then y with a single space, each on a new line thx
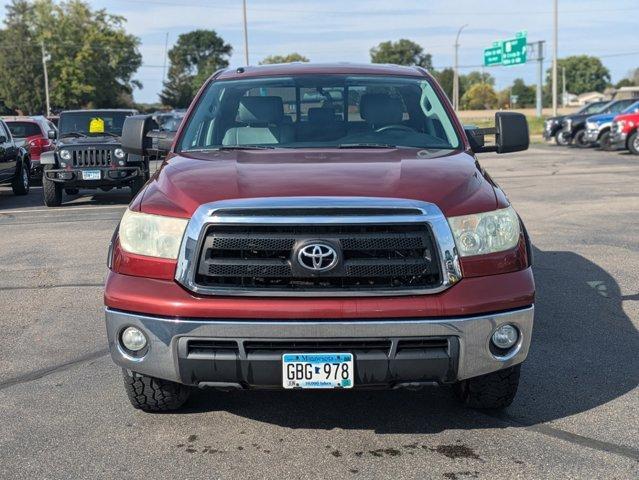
320 227
624 132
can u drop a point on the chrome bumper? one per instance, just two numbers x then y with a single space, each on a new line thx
592 135
474 357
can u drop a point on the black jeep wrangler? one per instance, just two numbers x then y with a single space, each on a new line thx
89 154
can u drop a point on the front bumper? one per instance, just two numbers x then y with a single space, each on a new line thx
228 360
109 177
592 136
618 140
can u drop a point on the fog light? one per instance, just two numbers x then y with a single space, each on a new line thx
505 336
121 163
133 339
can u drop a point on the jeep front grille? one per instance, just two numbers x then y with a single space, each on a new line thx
93 157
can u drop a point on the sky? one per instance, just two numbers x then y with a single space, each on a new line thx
336 30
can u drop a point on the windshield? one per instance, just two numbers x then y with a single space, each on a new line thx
24 129
327 111
618 106
632 108
595 107
92 123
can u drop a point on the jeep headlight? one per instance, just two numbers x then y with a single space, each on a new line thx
65 155
119 153
487 232
151 235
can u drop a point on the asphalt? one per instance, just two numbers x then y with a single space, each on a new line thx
64 414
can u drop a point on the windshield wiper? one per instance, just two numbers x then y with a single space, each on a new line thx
73 134
232 147
366 145
109 133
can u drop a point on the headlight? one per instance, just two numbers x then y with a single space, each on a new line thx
151 235
119 153
65 154
487 232
591 126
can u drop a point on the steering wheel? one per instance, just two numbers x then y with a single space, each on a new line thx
402 128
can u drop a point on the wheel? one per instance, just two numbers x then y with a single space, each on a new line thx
22 180
562 139
137 184
71 191
492 391
579 139
153 394
51 191
605 141
633 143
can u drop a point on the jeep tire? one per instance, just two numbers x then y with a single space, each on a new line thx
51 191
153 394
22 180
633 143
493 391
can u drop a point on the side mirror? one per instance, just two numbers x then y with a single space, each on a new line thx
162 141
51 135
135 134
511 134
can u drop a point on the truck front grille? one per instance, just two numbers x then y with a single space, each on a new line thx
92 157
372 257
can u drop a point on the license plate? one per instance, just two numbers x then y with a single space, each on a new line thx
91 175
317 370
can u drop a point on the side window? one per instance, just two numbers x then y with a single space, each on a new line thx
4 132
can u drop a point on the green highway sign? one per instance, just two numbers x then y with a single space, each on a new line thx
507 52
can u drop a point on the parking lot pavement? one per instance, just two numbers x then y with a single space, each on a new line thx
65 415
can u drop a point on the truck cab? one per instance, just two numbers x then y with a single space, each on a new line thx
89 155
321 227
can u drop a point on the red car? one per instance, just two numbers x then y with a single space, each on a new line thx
36 134
320 227
625 132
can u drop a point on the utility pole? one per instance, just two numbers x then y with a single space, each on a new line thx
554 57
564 98
540 78
46 79
456 70
246 50
166 53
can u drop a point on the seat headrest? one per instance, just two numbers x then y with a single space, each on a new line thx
321 115
256 110
380 109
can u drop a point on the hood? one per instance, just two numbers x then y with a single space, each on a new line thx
627 116
82 141
601 118
558 118
453 181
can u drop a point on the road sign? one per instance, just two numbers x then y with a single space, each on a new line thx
507 52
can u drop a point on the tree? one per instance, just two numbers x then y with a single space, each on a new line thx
445 79
480 96
583 74
92 58
624 82
402 52
194 58
471 78
525 93
291 57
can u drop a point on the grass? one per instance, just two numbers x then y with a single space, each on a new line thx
535 125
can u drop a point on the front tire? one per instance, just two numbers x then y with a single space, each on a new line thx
633 143
605 141
51 191
22 181
493 391
153 394
562 139
580 139
137 184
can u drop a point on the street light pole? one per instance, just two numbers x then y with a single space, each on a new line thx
46 79
246 50
554 57
456 71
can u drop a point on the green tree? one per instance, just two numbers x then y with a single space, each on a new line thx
624 82
525 93
92 59
291 57
194 58
445 79
480 96
402 52
471 78
583 74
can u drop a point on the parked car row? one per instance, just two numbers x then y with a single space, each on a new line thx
609 125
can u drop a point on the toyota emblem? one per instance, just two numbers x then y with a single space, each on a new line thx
317 257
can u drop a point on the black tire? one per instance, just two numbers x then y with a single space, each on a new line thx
562 138
51 191
137 184
71 191
579 139
490 392
22 181
153 394
605 141
633 143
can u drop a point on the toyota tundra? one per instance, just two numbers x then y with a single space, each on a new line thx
320 227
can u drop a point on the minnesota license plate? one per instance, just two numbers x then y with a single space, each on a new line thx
317 370
91 175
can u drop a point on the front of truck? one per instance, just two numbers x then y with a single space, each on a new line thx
320 227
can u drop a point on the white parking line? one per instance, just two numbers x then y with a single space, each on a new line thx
61 210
